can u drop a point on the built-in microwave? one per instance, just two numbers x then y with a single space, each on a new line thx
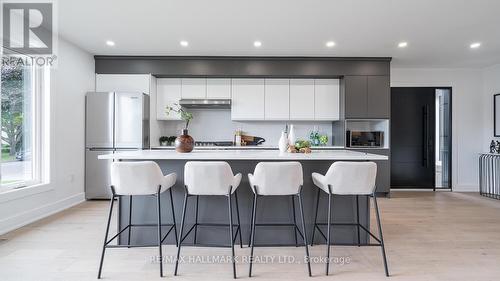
364 138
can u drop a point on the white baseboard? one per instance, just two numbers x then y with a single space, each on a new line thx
466 188
22 219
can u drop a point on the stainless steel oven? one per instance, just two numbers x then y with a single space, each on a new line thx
364 139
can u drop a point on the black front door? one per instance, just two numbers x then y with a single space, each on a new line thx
413 115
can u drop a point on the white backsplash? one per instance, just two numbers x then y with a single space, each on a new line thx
216 125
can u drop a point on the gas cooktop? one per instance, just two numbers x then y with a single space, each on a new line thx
213 143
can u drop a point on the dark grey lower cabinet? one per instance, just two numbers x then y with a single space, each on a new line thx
383 170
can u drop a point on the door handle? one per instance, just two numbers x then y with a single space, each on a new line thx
425 141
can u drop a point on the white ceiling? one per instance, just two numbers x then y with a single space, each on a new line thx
438 32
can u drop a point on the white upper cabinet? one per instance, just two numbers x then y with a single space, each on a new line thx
168 92
194 88
218 88
247 99
301 99
326 99
277 99
123 83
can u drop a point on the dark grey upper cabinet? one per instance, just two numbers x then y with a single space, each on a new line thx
378 97
367 96
355 96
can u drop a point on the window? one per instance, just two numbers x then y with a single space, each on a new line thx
21 120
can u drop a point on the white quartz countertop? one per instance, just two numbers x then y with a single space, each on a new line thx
245 147
242 155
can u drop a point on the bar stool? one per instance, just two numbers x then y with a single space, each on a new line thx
210 179
139 179
348 178
277 179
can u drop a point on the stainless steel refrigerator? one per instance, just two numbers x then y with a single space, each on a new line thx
114 122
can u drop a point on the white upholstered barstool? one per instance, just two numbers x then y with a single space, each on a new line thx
210 179
139 179
354 179
277 179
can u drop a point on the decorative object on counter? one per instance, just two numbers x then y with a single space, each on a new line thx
300 146
493 147
251 140
237 137
283 142
291 135
163 141
167 141
184 142
323 139
314 136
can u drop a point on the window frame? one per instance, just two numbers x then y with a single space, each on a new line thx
40 117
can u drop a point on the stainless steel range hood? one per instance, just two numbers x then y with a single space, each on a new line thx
206 103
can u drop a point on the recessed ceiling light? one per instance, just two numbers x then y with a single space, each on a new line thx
184 43
110 43
403 44
330 44
257 44
475 45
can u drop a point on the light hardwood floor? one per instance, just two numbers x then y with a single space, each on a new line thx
429 236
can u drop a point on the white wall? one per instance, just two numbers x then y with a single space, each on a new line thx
70 80
467 107
491 86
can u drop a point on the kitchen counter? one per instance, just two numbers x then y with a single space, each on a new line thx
275 209
245 147
197 154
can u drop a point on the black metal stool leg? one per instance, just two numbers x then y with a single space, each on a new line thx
328 230
231 231
294 220
251 220
181 233
238 230
304 231
129 219
315 217
196 220
357 220
173 217
252 233
159 232
106 236
380 234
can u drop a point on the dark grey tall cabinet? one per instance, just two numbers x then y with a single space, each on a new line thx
368 97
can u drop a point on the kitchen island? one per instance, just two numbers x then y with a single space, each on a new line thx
272 209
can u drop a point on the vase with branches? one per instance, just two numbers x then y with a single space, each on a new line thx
184 142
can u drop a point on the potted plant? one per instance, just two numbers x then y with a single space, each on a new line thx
184 142
164 141
171 140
